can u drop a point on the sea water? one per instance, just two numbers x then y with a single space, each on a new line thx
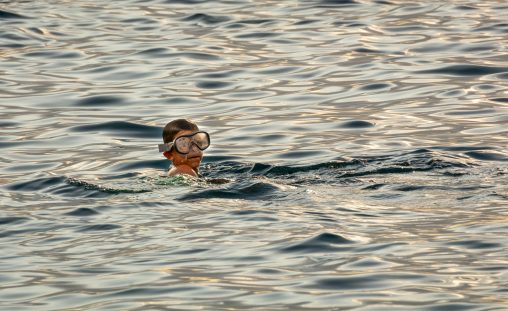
359 156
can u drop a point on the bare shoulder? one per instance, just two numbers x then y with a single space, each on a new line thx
182 170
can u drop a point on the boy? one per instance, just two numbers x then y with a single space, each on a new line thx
183 146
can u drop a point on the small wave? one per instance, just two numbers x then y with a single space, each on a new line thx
12 220
122 129
206 18
100 100
244 191
69 187
105 189
10 15
212 84
488 156
356 124
324 242
465 70
99 227
83 211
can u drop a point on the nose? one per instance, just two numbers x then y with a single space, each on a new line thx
195 150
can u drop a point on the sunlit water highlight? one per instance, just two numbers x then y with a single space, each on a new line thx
359 155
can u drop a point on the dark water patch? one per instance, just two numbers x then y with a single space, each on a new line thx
371 281
243 191
270 271
306 22
366 215
465 8
503 76
416 29
82 211
366 263
36 184
185 2
486 87
197 56
487 156
384 2
463 148
139 21
331 3
14 37
462 307
5 123
212 84
258 21
375 86
356 25
122 129
365 50
356 124
223 166
12 46
206 18
464 70
12 220
475 244
190 251
100 100
257 35
324 242
146 28
271 137
287 170
407 188
373 187
260 168
499 27
55 54
246 212
102 69
500 99
261 219
481 48
155 52
99 227
453 174
11 15
470 112
299 154
22 232
386 196
221 75
155 291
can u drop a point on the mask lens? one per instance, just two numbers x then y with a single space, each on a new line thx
201 140
183 144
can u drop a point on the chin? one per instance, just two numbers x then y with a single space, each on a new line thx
195 160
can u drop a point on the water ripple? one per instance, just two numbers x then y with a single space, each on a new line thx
359 156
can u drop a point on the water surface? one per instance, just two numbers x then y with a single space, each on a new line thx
359 156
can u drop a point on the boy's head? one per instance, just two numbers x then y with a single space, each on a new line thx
172 128
184 143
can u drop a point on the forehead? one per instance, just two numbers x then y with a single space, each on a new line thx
184 132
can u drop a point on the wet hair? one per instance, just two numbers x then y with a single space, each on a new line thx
175 126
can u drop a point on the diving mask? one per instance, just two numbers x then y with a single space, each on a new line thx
183 144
